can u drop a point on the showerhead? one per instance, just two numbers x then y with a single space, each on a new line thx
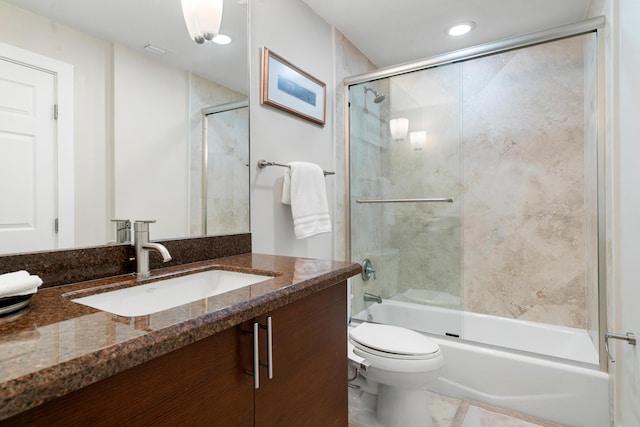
379 97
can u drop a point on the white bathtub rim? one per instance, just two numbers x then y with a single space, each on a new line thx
458 319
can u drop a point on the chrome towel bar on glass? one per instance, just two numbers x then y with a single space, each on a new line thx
438 200
263 164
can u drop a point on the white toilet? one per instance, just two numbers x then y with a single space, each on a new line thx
399 363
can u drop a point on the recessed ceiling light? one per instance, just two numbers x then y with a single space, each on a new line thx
461 28
221 39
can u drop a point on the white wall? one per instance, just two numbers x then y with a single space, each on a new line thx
150 142
625 133
293 31
622 93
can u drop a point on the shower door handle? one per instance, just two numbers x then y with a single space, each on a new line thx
436 200
630 337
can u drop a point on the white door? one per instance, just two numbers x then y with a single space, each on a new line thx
28 177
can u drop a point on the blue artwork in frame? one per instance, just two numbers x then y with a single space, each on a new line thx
290 89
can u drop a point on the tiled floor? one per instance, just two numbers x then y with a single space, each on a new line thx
443 411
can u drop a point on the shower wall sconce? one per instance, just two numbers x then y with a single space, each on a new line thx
399 128
203 18
418 139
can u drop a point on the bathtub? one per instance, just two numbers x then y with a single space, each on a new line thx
542 370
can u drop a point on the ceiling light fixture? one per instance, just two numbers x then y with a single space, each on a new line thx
461 28
221 39
203 18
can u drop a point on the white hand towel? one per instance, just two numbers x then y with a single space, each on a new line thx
18 283
304 189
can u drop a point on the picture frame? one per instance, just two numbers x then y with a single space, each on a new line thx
288 88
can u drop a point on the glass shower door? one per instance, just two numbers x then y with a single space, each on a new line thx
511 138
405 191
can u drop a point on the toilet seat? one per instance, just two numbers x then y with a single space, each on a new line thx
393 342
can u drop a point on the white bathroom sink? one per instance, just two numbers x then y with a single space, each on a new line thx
168 293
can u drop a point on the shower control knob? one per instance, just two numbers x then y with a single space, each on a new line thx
367 270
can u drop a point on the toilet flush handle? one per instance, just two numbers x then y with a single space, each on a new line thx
367 270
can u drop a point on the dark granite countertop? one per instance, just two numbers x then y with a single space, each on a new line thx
56 346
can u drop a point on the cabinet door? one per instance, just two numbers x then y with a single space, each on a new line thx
309 385
202 384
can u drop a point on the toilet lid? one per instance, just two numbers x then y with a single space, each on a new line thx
393 341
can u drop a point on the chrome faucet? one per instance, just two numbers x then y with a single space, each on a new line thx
372 298
143 246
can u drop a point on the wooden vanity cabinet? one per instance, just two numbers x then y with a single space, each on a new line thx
206 383
309 385
193 386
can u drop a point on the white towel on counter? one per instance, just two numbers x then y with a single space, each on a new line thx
304 189
18 283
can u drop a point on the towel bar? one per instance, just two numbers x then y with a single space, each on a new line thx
440 200
263 164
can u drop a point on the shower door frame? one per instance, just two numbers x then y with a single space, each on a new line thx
586 26
204 191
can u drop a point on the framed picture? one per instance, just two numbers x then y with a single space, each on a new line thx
290 89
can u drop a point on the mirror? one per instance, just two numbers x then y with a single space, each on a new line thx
143 92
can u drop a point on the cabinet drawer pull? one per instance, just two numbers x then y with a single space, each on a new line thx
256 356
269 347
256 351
269 364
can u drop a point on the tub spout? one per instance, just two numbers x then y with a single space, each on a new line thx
373 298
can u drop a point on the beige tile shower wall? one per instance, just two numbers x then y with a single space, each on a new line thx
202 93
524 217
228 172
506 139
427 234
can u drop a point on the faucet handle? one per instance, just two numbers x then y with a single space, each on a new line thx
143 224
367 270
123 230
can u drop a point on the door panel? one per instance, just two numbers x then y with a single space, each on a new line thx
309 385
27 159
